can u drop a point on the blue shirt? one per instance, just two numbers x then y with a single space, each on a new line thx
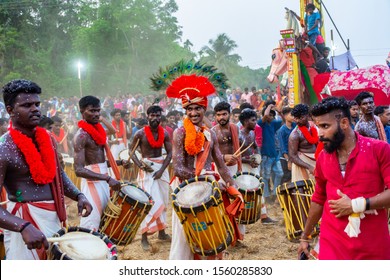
387 132
311 20
283 133
269 133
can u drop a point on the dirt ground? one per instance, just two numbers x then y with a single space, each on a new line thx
261 242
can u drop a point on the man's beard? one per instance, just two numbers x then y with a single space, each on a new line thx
223 122
331 145
154 124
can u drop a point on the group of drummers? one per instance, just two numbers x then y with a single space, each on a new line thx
210 172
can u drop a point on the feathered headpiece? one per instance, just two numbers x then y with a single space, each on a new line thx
191 82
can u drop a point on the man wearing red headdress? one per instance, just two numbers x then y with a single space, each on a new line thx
195 148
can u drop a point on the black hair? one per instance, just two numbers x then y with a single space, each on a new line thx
56 119
85 101
15 87
380 110
236 111
352 103
45 121
326 49
300 110
222 106
286 110
154 109
363 95
172 113
142 122
246 114
310 6
124 113
163 118
115 111
331 104
246 105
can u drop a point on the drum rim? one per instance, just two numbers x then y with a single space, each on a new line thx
258 190
296 184
131 200
215 192
57 253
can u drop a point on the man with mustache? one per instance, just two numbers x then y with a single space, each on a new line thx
369 125
32 176
153 176
90 151
195 148
302 145
350 195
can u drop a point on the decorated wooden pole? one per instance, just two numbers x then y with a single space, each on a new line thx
292 67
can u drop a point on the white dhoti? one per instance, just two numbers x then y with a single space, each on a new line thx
156 219
117 148
98 194
299 173
42 214
255 170
180 250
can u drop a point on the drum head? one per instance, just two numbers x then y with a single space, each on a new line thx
83 246
247 182
124 154
194 194
135 193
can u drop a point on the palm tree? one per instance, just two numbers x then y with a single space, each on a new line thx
219 52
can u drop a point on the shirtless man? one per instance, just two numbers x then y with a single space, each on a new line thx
302 145
369 125
153 176
90 161
31 174
248 118
228 141
188 165
119 141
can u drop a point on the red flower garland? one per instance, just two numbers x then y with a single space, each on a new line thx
41 161
120 133
160 139
312 136
96 131
194 141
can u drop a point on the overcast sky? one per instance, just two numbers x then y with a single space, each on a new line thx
255 24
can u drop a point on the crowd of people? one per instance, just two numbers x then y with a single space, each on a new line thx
342 145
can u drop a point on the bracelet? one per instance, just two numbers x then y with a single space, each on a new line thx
77 196
367 204
108 179
24 225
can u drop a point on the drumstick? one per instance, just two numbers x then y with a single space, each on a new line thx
245 149
235 154
4 202
66 134
133 151
66 238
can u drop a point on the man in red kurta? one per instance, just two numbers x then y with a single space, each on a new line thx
350 195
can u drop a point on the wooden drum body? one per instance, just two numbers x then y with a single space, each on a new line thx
250 186
295 200
198 204
124 214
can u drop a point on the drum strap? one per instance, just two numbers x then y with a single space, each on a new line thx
202 157
57 189
236 143
112 162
